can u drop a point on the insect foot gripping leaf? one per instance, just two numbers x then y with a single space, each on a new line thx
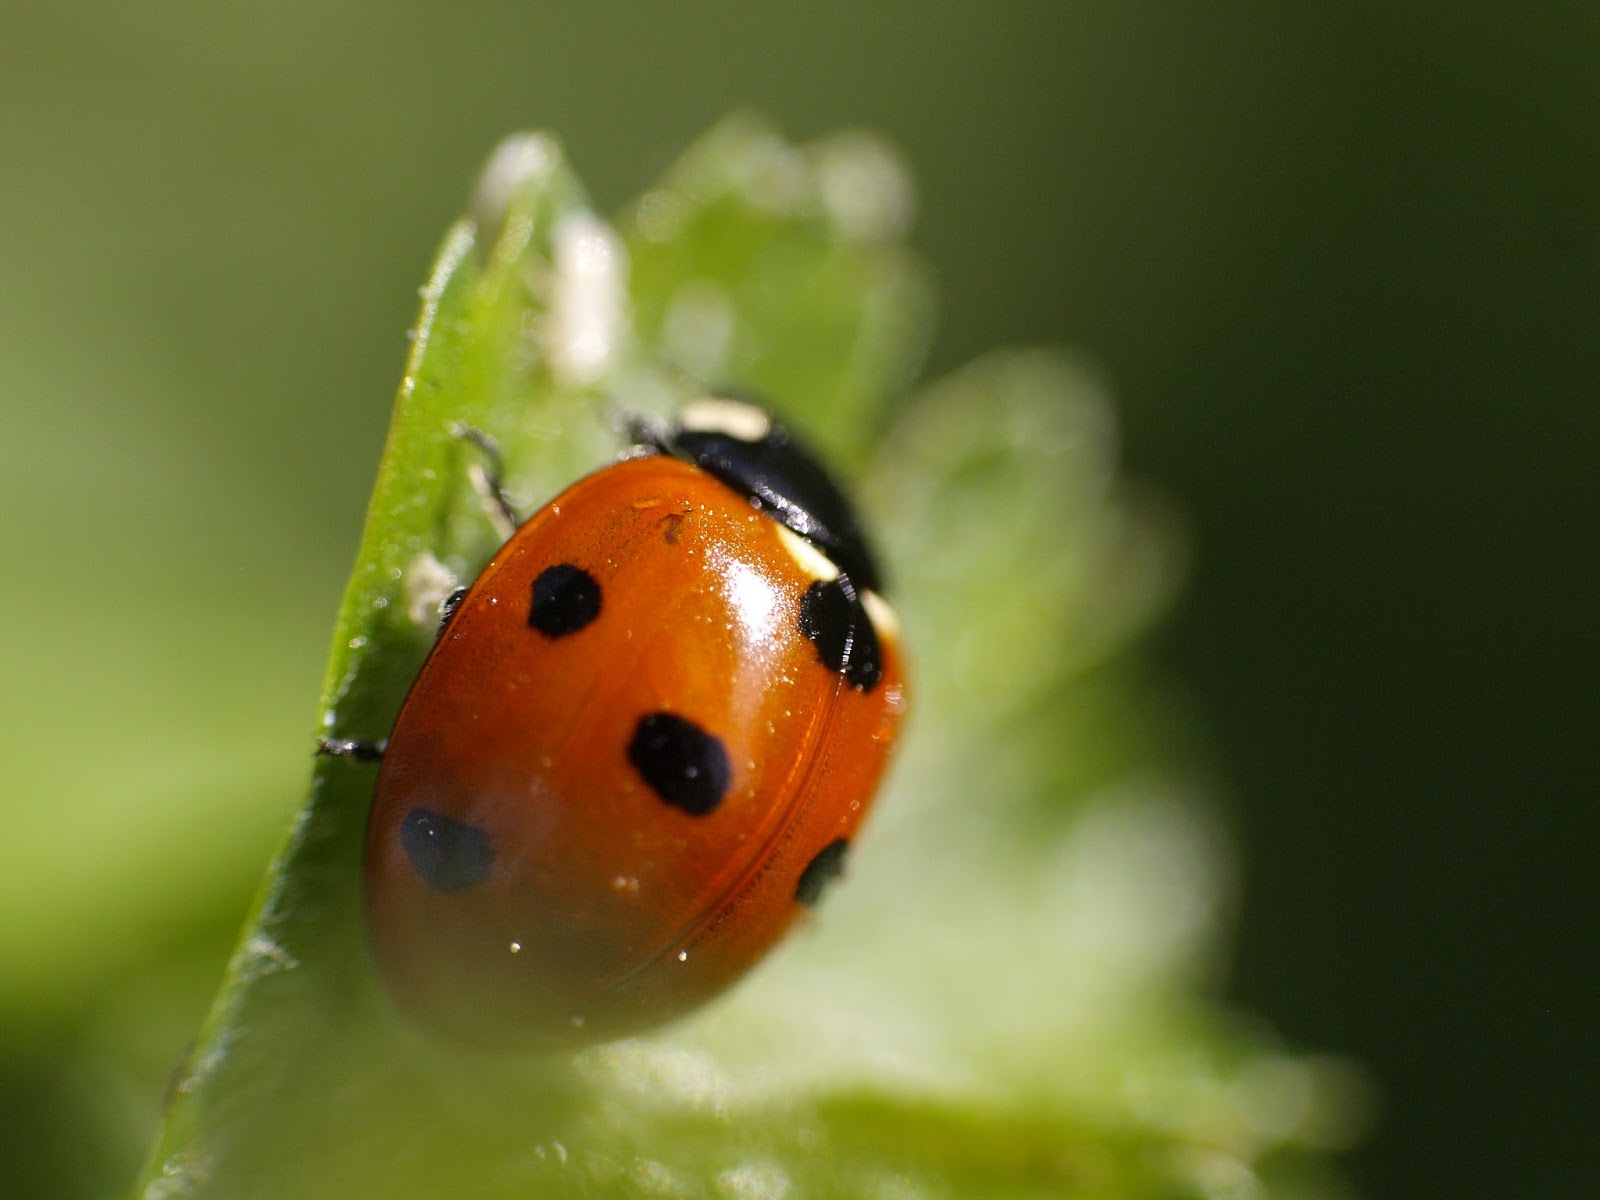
1006 995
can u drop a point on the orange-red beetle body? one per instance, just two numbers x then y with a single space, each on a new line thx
639 749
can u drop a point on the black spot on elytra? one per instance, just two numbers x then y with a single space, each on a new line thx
687 767
834 621
565 599
822 870
448 854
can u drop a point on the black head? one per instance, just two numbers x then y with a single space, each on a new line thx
742 445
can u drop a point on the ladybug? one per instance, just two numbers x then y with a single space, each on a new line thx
641 745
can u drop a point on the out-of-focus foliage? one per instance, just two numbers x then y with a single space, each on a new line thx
1340 263
1009 997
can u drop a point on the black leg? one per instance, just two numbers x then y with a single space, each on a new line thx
447 609
355 751
644 433
489 478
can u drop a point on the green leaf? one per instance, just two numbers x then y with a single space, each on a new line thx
1009 998
297 1025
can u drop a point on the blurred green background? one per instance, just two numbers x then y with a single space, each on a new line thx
1341 269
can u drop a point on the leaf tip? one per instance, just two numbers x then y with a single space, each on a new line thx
520 164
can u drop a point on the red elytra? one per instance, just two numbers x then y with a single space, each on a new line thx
629 764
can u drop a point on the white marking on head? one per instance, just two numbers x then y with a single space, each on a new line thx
735 418
885 621
810 560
